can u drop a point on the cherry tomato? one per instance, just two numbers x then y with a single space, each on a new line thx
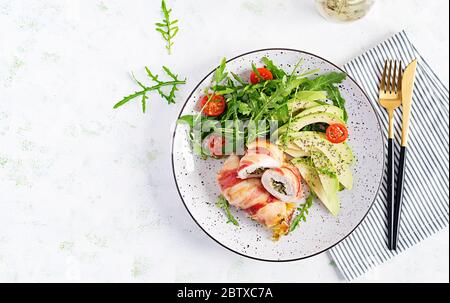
214 144
215 107
337 133
263 72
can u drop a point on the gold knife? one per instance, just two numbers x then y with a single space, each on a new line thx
407 95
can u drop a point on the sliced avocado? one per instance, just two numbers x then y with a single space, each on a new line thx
319 139
321 185
341 168
331 109
310 95
292 149
296 153
343 172
299 122
345 152
296 105
329 180
306 99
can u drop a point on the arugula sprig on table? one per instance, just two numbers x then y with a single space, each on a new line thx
168 28
157 86
222 203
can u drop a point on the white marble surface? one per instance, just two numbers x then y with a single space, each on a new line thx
86 192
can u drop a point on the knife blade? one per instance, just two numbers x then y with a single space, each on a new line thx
407 93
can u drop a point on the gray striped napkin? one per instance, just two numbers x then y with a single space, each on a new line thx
426 189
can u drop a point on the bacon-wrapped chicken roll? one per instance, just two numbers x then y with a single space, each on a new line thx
250 196
283 183
260 155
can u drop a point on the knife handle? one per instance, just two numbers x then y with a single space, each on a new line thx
399 195
390 192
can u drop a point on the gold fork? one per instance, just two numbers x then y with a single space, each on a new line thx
390 98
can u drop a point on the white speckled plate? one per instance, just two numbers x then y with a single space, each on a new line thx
195 178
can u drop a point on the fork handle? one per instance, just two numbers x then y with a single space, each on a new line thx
399 195
390 193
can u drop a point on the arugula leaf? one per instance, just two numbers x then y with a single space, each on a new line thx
187 119
282 113
294 70
167 28
284 137
303 212
292 84
277 72
238 79
158 85
244 108
220 73
144 102
278 98
334 95
307 95
323 81
223 204
224 91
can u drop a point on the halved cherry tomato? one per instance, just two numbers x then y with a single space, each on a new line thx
214 144
337 133
263 72
215 107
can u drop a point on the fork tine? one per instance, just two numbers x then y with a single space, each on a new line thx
388 80
399 77
383 77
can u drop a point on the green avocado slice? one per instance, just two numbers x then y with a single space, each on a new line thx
329 180
337 156
297 105
330 109
301 121
320 139
306 99
325 186
292 149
